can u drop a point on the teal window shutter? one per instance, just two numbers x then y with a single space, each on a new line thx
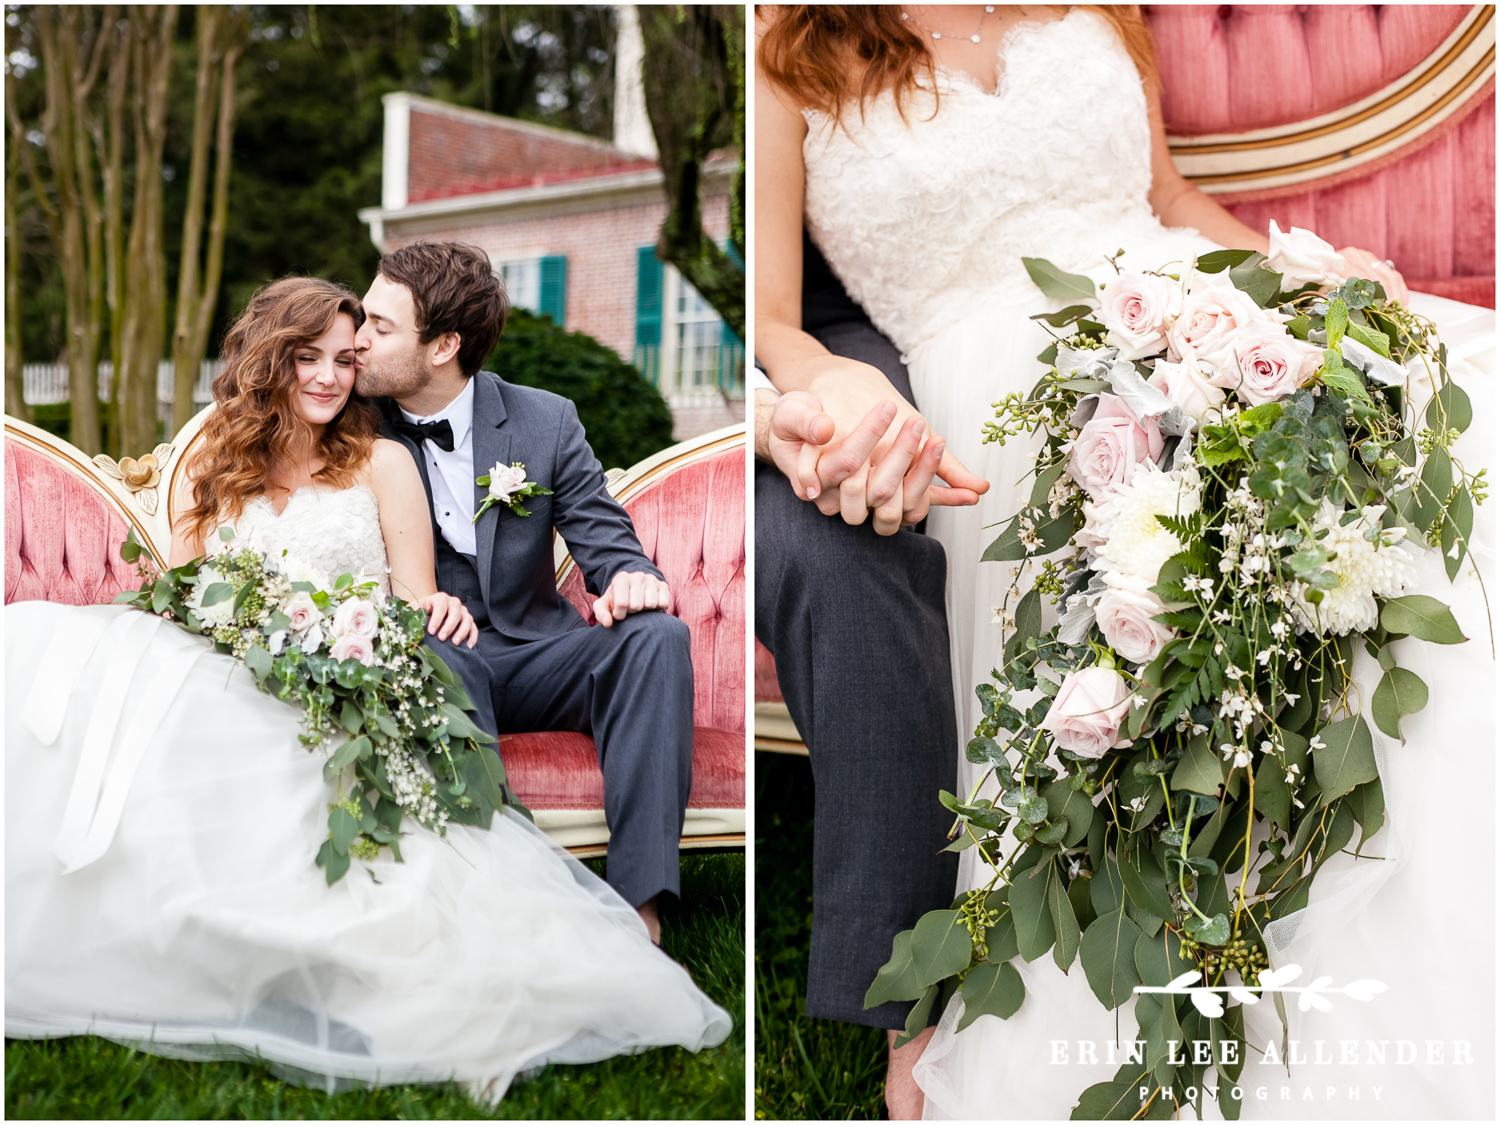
553 299
648 300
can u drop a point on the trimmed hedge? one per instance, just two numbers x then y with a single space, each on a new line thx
624 416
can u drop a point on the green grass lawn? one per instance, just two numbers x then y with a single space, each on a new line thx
804 1068
87 1077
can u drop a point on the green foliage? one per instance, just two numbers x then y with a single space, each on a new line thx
91 1078
624 416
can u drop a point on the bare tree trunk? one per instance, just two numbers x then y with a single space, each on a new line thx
690 97
15 372
145 294
109 141
61 46
221 38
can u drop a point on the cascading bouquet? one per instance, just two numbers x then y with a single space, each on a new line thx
1233 458
392 718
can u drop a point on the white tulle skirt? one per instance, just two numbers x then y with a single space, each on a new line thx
161 823
1420 919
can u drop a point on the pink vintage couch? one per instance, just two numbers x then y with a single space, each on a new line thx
66 517
1414 184
1256 76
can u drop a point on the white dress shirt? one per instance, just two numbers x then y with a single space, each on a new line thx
452 474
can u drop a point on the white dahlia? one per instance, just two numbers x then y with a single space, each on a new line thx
1365 571
1132 541
213 616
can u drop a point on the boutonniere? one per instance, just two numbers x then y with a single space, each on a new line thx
508 486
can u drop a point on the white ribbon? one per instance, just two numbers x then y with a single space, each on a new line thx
61 667
102 781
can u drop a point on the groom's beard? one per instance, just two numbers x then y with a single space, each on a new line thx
392 378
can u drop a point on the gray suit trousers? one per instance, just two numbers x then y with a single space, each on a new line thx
856 623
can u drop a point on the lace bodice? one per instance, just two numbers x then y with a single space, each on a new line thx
335 531
926 220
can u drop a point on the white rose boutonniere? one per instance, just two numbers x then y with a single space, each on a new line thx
508 485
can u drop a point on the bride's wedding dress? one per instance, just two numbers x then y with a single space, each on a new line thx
925 219
161 822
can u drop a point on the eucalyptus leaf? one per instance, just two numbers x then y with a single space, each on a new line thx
916 1020
1035 932
343 827
1450 408
1199 770
897 978
1057 283
1064 921
1108 954
1400 692
940 946
1347 758
991 990
1422 617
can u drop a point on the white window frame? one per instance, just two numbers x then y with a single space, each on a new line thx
672 384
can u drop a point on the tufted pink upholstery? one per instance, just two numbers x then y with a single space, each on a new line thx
691 523
1430 207
692 526
61 537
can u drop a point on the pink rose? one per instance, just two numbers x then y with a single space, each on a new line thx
1209 322
356 616
302 611
1110 445
1268 364
1136 309
351 646
1185 386
1124 616
1086 714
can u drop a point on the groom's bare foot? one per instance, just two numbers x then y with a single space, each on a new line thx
649 915
903 1097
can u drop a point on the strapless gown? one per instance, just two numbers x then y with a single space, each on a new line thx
925 220
160 824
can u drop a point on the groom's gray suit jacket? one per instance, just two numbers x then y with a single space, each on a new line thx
514 557
536 666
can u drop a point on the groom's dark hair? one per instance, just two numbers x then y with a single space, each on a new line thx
455 289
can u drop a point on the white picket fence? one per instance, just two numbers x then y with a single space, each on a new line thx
48 382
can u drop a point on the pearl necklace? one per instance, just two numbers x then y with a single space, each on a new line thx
973 38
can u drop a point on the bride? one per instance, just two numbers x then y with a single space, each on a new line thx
159 886
926 150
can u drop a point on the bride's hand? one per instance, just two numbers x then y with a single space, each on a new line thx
1362 263
449 619
849 393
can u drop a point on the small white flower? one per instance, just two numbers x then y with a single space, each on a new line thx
1291 773
1199 728
1137 701
1317 743
1234 672
1227 750
1291 698
997 615
1241 759
1137 804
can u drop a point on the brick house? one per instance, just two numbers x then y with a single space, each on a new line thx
571 222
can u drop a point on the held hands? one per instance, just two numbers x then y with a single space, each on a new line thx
631 592
852 445
449 619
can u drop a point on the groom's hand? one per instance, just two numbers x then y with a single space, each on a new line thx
631 592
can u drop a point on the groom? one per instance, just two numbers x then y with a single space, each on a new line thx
433 314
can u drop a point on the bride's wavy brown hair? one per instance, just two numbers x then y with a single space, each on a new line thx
256 426
829 54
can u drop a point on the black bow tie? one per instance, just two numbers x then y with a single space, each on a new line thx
439 433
